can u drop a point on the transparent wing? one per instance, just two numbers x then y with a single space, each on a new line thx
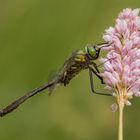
57 79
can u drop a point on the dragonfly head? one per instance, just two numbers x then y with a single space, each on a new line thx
94 50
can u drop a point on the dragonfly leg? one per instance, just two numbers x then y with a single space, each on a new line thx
96 67
92 84
97 72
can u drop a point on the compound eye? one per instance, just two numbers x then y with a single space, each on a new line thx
91 50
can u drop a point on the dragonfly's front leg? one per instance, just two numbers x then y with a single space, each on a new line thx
91 71
97 72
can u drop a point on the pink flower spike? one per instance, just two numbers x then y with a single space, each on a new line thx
121 26
122 74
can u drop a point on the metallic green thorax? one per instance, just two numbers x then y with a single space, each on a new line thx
76 63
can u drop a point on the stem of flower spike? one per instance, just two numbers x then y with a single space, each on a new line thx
120 131
120 100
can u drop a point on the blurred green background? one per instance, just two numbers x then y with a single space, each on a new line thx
36 36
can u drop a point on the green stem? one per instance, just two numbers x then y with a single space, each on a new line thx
120 128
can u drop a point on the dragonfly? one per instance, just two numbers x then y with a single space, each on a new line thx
78 61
